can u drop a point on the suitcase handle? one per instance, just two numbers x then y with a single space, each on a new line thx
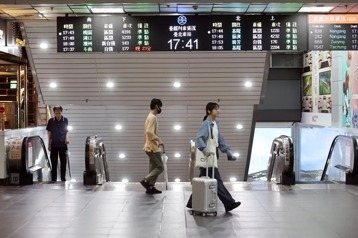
207 168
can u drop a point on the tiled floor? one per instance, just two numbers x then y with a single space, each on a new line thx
118 210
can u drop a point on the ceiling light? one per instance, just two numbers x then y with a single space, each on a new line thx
43 45
237 155
70 128
125 180
177 127
177 180
177 155
122 155
248 84
110 84
53 85
118 127
177 84
233 179
239 126
315 9
107 10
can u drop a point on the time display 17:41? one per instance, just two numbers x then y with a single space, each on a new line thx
178 44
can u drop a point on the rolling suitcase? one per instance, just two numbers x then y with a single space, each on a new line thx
205 195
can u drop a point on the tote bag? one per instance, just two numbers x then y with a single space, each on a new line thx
201 160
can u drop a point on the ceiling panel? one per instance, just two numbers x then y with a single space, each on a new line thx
140 7
80 10
169 8
192 8
283 7
54 10
256 8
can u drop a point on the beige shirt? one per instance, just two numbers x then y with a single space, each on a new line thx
151 138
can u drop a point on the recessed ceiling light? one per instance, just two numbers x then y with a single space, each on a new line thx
237 155
233 179
53 85
315 9
177 155
248 84
177 180
125 180
118 127
122 155
239 126
107 10
43 45
177 84
177 127
70 128
110 84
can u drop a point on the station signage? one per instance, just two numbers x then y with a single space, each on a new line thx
124 33
333 32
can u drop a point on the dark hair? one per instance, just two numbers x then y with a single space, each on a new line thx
55 108
155 102
209 107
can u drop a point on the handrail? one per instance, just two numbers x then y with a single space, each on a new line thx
96 167
25 150
287 163
355 154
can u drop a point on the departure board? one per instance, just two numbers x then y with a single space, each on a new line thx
333 32
121 33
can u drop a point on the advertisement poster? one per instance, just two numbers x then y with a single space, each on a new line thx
352 76
307 84
317 88
324 82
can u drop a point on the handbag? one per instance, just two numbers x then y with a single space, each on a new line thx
201 160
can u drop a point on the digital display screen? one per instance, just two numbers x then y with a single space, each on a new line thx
333 32
121 33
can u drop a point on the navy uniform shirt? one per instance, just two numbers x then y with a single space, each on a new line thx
58 129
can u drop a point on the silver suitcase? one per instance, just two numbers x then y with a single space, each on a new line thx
204 195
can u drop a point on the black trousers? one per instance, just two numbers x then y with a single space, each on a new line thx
223 194
55 153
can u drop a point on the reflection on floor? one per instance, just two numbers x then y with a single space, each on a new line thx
124 210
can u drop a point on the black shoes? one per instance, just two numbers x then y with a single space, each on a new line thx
153 190
145 184
232 206
150 189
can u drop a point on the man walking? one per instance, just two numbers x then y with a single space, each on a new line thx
151 147
57 142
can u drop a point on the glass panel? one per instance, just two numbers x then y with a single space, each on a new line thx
312 145
261 148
